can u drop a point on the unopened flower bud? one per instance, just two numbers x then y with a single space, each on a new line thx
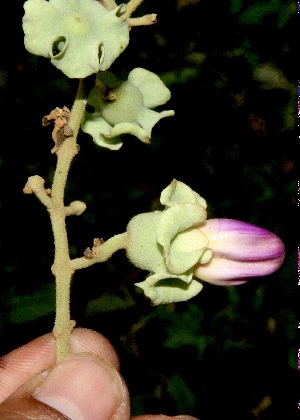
240 251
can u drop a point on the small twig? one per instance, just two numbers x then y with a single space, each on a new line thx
101 251
143 20
76 208
35 184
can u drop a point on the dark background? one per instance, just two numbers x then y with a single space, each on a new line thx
231 67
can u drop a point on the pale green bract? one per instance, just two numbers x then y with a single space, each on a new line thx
125 107
81 37
169 244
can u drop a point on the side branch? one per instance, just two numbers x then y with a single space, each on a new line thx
35 184
101 251
143 20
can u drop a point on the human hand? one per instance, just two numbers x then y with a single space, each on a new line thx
85 386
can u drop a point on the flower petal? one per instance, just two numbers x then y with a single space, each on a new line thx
76 61
130 128
40 25
173 221
115 37
178 192
154 91
100 130
240 250
147 118
224 272
238 240
164 288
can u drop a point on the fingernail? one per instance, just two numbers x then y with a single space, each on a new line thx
83 388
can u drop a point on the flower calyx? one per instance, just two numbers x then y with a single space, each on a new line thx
172 246
81 37
125 107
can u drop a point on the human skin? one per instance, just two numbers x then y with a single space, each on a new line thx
85 386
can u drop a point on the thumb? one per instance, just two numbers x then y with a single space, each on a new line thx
82 387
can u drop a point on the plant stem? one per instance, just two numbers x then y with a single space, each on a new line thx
61 268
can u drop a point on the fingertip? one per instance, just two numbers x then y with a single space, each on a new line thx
84 340
85 387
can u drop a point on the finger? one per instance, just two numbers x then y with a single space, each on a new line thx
22 405
82 387
162 417
23 363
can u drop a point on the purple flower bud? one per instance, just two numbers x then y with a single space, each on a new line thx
240 250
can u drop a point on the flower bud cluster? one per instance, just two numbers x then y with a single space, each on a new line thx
178 245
